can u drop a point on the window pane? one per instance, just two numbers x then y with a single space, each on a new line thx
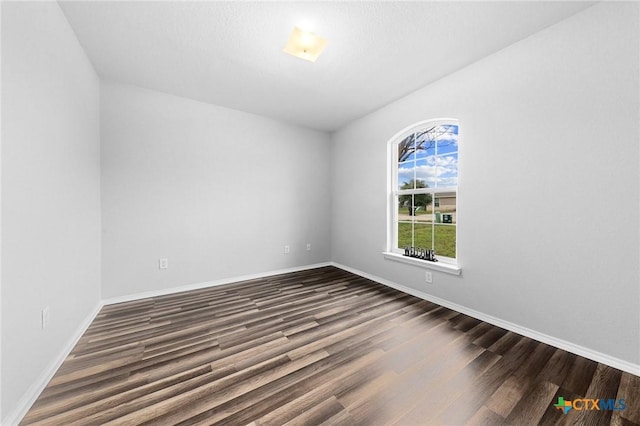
447 171
405 207
448 140
425 143
445 240
406 175
407 148
446 202
445 228
404 234
423 235
423 212
426 172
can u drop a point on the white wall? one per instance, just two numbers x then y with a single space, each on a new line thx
50 193
216 191
548 207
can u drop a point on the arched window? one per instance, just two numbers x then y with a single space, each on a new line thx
423 197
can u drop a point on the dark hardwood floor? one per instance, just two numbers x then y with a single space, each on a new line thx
317 347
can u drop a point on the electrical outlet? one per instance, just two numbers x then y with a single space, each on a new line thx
428 277
287 249
45 317
308 246
163 263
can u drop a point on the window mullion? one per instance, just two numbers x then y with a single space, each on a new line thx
413 221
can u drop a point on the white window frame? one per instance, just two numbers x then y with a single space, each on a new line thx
444 264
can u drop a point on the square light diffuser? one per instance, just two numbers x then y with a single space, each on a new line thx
305 45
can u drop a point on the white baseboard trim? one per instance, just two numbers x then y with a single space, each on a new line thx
38 386
541 337
214 283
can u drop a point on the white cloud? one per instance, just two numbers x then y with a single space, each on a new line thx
447 162
442 171
448 181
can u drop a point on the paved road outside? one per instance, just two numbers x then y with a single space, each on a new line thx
423 217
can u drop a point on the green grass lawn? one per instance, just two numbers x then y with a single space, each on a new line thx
445 238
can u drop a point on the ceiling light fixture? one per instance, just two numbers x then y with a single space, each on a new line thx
305 45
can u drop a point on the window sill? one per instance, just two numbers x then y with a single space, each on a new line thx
436 266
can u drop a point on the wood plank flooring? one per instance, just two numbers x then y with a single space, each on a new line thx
317 347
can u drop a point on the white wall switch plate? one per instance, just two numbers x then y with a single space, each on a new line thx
308 246
163 263
287 249
428 277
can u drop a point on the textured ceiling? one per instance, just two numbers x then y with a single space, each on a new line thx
230 53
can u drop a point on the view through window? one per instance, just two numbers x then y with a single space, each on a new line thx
425 188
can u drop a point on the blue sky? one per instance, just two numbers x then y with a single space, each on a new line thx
439 170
